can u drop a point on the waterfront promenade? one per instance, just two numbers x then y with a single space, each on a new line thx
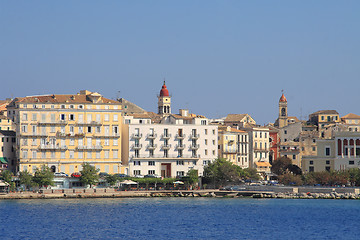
249 191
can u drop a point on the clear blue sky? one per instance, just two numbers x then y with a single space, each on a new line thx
218 57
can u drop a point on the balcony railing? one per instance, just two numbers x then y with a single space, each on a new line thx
151 135
91 147
194 136
166 147
88 123
136 135
230 151
165 136
50 122
194 146
180 146
257 149
136 146
169 156
151 146
52 147
180 136
34 134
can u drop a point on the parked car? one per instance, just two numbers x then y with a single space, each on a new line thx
139 176
60 174
152 176
76 174
120 175
103 174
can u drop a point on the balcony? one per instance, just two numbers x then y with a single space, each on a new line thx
136 135
88 123
194 146
180 146
167 136
91 147
257 149
151 146
166 147
178 136
194 136
34 134
151 135
229 151
136 146
173 157
52 147
47 122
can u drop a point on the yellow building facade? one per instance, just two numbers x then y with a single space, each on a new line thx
65 131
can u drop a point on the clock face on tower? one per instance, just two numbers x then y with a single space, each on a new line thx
283 112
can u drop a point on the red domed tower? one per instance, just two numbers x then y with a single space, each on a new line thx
164 101
283 116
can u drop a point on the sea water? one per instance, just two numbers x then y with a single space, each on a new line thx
179 218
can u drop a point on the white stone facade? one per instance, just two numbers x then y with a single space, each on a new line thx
172 147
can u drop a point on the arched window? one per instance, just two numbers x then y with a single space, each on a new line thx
283 112
53 168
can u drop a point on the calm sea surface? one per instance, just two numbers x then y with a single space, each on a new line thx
179 218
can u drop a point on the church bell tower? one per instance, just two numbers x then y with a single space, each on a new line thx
164 101
283 115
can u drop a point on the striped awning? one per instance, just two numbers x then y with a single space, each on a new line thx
3 160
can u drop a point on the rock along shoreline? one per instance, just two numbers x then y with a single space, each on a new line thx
280 193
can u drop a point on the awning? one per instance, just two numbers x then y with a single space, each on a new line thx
3 160
128 182
263 164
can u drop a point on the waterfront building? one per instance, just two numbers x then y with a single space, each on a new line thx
259 148
64 131
274 141
6 123
234 146
352 121
8 147
339 153
238 120
166 144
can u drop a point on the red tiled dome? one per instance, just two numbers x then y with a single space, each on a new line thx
283 98
164 92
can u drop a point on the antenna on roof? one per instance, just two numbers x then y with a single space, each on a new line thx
118 95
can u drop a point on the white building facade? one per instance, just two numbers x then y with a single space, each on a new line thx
172 147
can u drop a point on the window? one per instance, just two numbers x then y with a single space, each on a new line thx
98 154
71 117
206 131
106 142
115 142
62 106
327 168
327 151
213 132
151 171
89 129
81 154
25 154
71 154
106 117
206 141
137 163
180 173
314 148
115 153
179 162
24 117
294 157
72 141
351 162
311 162
62 117
62 154
151 163
285 132
311 169
137 172
115 117
106 154
327 162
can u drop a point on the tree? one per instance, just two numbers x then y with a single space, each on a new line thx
221 171
89 174
44 176
250 174
7 176
284 165
280 165
26 179
191 177
111 179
